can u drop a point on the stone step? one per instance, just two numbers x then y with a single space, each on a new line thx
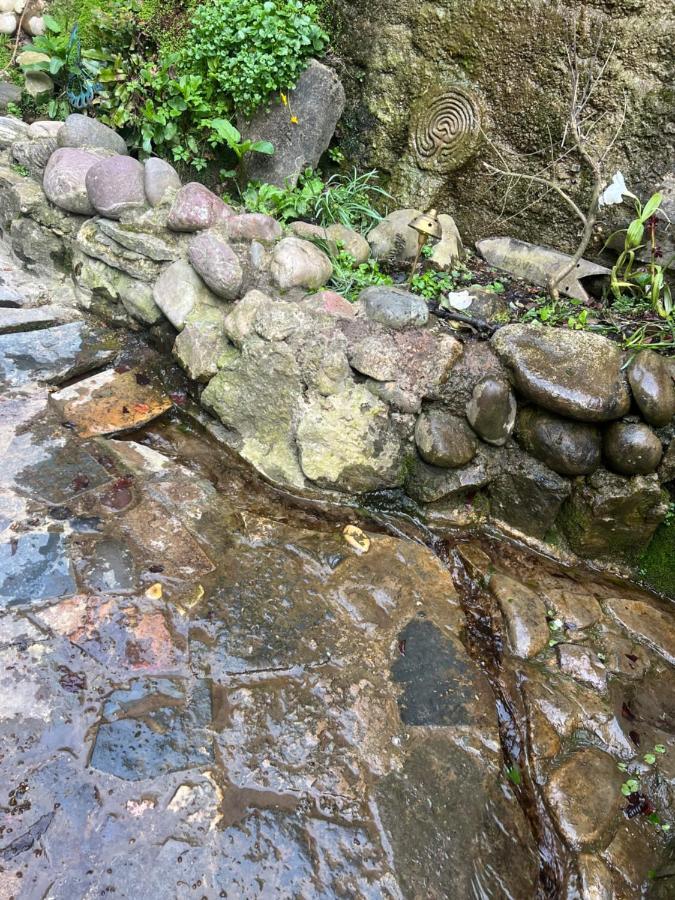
13 320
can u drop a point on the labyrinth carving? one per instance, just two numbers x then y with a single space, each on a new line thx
445 128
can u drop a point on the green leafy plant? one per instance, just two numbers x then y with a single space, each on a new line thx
645 282
632 789
249 51
348 200
431 284
287 203
350 279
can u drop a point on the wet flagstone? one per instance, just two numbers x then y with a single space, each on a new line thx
34 566
110 403
12 320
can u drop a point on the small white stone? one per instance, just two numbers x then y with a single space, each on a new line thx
19 6
7 23
34 26
6 6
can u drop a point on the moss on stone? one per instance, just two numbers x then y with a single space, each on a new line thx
657 563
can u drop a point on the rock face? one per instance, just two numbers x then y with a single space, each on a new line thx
491 411
160 179
34 153
573 373
64 181
609 514
444 440
83 131
346 442
651 625
297 263
253 227
652 386
524 614
584 816
317 102
394 307
195 208
179 291
202 343
213 258
632 448
115 186
569 448
526 494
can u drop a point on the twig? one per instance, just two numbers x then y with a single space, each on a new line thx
538 179
479 324
16 42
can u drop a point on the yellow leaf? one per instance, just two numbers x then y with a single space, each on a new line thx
154 592
284 99
356 538
294 120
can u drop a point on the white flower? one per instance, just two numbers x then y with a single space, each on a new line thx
458 300
615 192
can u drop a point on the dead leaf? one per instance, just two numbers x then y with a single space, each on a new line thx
154 592
356 538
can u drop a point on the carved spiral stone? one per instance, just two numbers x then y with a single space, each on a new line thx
445 128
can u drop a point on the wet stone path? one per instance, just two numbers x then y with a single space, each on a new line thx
209 691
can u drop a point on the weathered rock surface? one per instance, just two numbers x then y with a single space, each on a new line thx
268 372
394 307
526 494
11 129
43 128
585 817
429 484
609 514
160 179
491 411
115 186
64 181
347 442
217 263
85 132
94 239
317 102
9 93
201 344
583 665
298 263
331 303
572 373
240 320
195 208
12 320
253 227
524 614
179 290
652 387
569 448
444 440
33 153
632 448
649 624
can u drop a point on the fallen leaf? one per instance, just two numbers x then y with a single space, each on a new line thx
356 538
154 592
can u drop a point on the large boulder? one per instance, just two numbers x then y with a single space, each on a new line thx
610 515
652 386
569 448
573 373
394 307
217 263
115 186
179 291
317 103
83 131
195 208
64 181
160 179
298 263
347 442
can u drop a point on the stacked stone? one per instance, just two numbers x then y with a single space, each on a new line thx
536 429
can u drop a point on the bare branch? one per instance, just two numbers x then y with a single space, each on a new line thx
537 179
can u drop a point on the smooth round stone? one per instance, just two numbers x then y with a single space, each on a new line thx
64 180
632 449
83 131
213 258
576 374
567 447
652 386
7 23
253 227
394 307
160 177
444 440
298 263
491 411
115 186
196 208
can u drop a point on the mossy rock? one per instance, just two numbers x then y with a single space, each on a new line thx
657 563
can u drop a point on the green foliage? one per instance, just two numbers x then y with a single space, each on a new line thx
648 282
431 284
514 776
73 71
656 563
20 169
558 312
285 204
349 279
348 200
248 51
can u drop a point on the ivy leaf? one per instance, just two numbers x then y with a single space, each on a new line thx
266 147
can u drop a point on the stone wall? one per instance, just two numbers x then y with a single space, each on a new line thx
435 87
546 433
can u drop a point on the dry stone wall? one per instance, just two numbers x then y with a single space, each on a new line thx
545 432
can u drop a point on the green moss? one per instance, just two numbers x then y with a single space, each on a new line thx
657 563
